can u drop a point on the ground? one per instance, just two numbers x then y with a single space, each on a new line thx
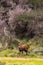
21 61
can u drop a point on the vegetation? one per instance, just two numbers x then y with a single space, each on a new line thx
21 22
22 62
34 4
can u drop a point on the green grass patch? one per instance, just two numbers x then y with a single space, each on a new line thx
21 62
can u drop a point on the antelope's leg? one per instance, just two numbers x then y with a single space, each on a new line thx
26 52
22 51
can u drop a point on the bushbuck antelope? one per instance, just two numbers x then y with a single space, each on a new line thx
23 48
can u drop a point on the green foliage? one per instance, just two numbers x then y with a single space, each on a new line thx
34 3
13 44
23 25
35 13
24 29
26 24
22 62
8 53
25 19
35 49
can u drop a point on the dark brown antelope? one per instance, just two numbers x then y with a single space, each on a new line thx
23 48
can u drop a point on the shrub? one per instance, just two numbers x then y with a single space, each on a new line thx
33 3
23 26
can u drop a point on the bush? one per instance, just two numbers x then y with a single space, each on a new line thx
24 26
38 51
9 53
33 3
13 44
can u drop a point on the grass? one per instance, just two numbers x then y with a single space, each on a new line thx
22 62
35 44
14 53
